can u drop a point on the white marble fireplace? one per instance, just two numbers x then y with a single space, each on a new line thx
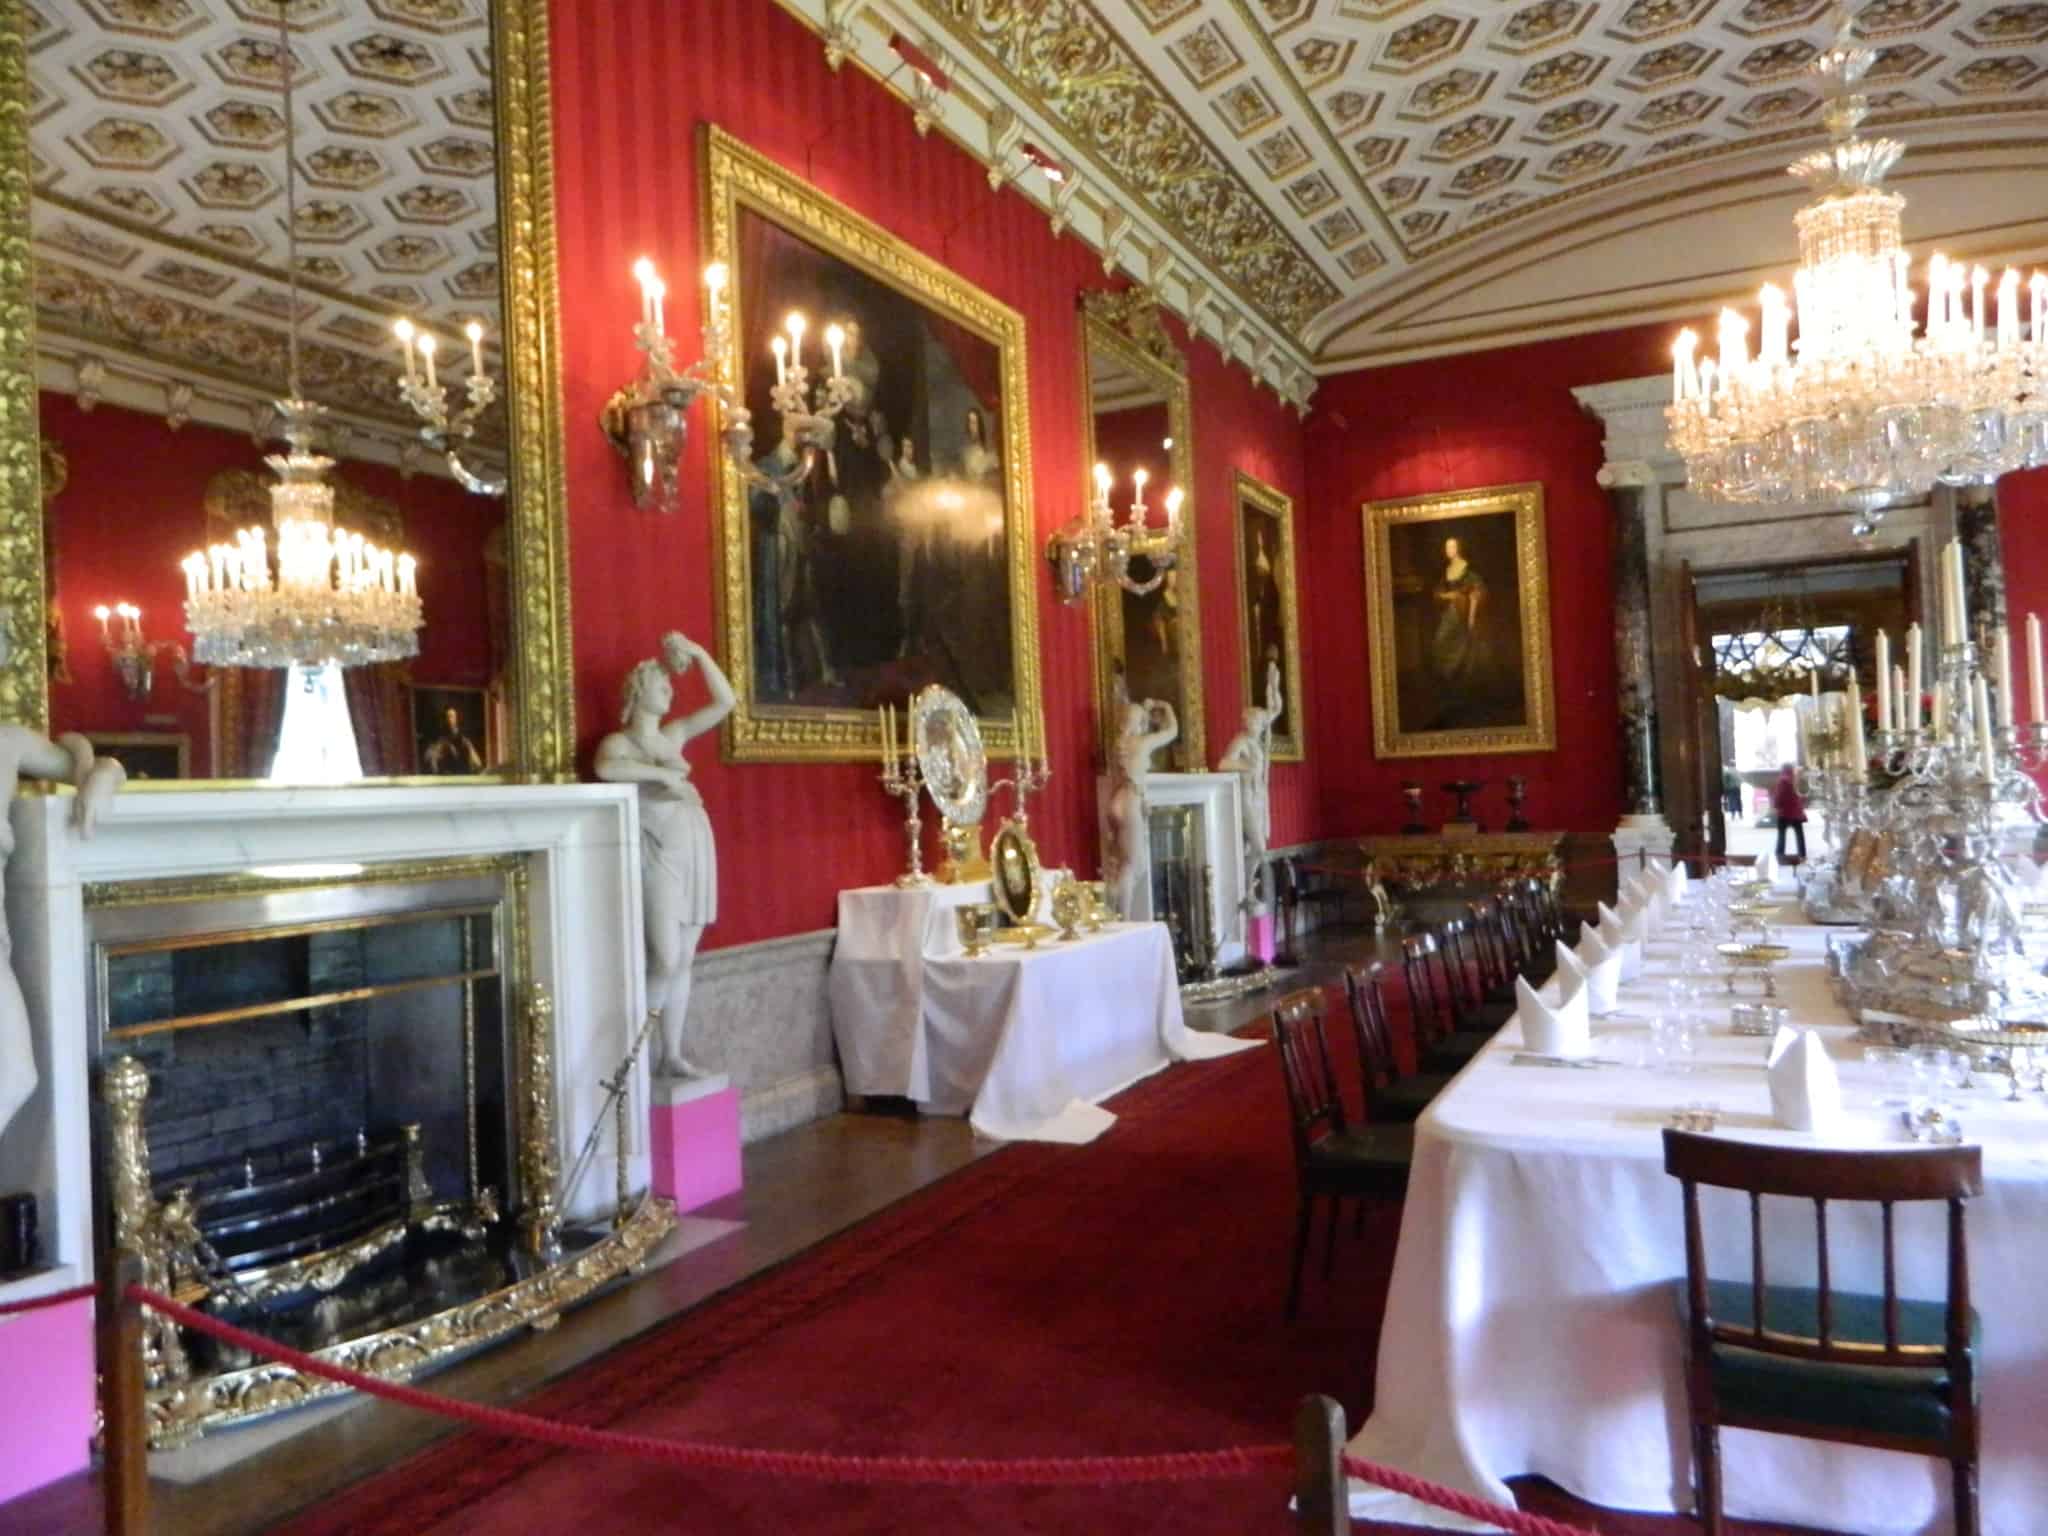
1213 801
583 920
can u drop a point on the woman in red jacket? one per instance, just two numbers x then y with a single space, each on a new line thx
1790 811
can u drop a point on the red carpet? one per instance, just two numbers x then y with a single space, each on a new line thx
1123 1297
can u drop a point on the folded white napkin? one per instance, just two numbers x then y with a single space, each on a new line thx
1675 882
1563 1030
1610 924
1599 972
1806 1093
1767 867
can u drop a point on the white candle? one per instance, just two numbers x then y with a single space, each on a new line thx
426 345
408 575
714 289
781 350
1813 681
1902 720
835 340
1102 483
2037 686
1857 755
1979 279
1138 479
1682 381
1173 501
2001 646
643 269
1734 338
1940 708
403 330
103 613
475 332
1987 756
795 326
660 315
1913 695
1884 681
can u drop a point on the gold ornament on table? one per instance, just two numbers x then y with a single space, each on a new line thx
954 767
1755 958
1100 915
1071 907
976 923
902 777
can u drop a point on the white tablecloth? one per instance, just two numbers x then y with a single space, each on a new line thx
1530 1326
876 982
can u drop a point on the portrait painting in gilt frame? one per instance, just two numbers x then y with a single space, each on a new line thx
1269 625
1458 605
162 756
906 557
451 730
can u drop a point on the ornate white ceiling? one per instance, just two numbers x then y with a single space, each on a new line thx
1363 176
156 148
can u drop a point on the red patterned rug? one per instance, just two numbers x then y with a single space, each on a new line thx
1119 1298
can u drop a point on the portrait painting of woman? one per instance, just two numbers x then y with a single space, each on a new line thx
1460 623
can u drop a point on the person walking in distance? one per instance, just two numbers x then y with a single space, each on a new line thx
1790 811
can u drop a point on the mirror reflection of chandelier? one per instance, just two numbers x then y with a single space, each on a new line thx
1096 549
1859 411
319 594
1785 655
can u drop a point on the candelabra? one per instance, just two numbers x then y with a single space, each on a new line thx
902 777
134 658
647 420
1096 549
448 426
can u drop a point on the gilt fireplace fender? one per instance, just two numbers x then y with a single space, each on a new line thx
542 748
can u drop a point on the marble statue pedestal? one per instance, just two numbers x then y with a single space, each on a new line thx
695 1139
49 1355
1639 838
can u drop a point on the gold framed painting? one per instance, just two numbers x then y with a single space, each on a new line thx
1268 618
906 557
164 756
1458 598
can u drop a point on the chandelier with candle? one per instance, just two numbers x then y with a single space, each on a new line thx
448 426
1859 410
322 594
647 420
1096 548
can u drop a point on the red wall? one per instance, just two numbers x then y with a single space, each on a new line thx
627 76
133 506
1453 424
2023 523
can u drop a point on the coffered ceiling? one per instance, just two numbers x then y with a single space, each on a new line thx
1374 179
157 156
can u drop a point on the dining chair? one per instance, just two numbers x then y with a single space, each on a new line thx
1493 951
1333 1159
1816 1361
1481 1001
1529 930
1444 1038
1386 1092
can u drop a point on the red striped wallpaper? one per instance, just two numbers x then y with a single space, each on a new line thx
633 82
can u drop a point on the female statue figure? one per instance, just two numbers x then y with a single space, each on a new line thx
1249 757
679 865
25 754
1127 854
1454 652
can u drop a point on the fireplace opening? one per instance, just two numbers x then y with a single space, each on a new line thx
321 1110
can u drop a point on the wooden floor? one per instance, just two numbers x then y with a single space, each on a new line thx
801 1187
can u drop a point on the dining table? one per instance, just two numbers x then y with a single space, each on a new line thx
1531 1324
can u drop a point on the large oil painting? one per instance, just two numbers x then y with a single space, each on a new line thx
903 558
1267 614
1459 614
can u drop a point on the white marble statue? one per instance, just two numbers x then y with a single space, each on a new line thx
679 863
68 760
1127 854
1249 756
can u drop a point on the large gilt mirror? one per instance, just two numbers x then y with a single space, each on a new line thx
1135 392
145 213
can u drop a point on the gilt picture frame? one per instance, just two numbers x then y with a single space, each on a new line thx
909 556
1458 605
1268 610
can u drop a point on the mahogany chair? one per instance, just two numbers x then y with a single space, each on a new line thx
1819 1362
1444 1038
1333 1159
1386 1093
1481 1001
1530 934
1493 951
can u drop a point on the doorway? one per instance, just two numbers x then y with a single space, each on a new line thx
1768 643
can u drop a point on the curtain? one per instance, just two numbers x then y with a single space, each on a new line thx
377 710
252 716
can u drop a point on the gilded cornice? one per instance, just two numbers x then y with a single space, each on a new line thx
1064 60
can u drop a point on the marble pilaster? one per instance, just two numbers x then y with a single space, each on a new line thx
1976 511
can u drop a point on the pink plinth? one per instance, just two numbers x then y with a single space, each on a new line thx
46 1423
696 1140
1261 936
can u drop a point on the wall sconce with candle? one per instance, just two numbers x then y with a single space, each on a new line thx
1095 549
134 658
447 429
647 420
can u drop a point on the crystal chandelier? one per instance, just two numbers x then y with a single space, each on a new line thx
1859 410
1095 549
322 594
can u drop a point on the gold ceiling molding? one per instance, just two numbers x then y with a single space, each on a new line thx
1065 62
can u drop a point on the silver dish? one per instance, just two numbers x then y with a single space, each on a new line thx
949 754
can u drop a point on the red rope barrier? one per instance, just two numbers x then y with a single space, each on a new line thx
822 1466
54 1299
